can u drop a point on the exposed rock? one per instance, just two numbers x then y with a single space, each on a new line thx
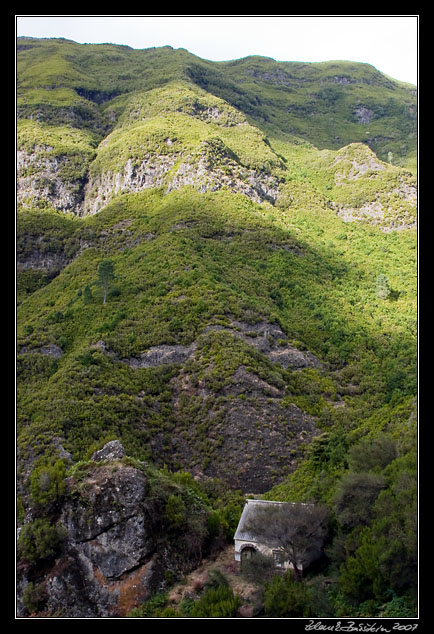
117 551
254 441
50 262
109 530
272 342
344 81
61 451
392 206
373 211
113 450
247 383
363 114
253 436
406 191
377 213
289 357
206 171
255 185
50 350
160 355
150 172
265 337
277 77
40 180
354 161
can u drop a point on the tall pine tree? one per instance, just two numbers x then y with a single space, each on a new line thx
106 274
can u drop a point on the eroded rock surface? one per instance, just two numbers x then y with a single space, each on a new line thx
267 338
40 179
117 549
249 436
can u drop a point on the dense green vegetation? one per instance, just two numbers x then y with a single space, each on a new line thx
195 269
317 102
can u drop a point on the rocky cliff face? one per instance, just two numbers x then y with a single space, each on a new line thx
252 434
371 191
118 547
210 167
40 181
143 150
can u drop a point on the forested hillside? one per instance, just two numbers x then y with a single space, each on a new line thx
217 275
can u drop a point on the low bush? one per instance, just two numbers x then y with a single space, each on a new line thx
258 569
284 597
219 602
39 540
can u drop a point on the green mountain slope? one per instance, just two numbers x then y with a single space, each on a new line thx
331 104
259 325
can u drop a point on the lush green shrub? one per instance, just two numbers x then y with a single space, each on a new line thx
398 607
319 597
47 483
34 595
355 497
39 540
219 602
175 511
382 286
285 597
372 454
151 608
385 554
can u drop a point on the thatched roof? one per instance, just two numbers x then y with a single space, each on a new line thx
249 510
294 528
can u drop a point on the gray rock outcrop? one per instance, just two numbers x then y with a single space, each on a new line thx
116 551
112 450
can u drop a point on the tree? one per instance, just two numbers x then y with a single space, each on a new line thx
175 511
354 498
106 274
40 540
87 294
372 454
298 531
383 288
284 596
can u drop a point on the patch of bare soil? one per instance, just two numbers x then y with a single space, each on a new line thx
193 585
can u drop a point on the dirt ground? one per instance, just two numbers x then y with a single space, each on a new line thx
224 563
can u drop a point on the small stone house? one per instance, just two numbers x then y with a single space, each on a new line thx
246 544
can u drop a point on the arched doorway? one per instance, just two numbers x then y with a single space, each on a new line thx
247 553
